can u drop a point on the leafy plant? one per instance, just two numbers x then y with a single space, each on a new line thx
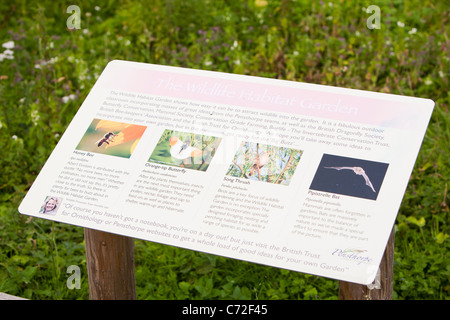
49 70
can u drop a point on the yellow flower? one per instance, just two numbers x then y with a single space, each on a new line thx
127 132
108 125
261 3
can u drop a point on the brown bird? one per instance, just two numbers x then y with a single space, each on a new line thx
260 162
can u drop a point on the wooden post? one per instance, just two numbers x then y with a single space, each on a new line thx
353 291
110 266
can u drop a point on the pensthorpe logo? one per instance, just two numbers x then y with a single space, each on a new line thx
353 255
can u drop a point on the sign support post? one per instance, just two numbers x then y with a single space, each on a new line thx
382 288
110 266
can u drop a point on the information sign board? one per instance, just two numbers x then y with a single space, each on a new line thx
292 175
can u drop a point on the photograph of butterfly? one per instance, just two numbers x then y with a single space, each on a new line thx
185 149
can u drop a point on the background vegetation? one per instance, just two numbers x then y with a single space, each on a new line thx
46 71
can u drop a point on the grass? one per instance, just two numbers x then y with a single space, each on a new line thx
49 71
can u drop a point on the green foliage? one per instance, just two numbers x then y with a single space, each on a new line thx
183 274
52 70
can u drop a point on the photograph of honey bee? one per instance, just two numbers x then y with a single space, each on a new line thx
111 138
261 162
349 176
185 149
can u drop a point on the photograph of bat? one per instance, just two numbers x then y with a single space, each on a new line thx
344 176
357 170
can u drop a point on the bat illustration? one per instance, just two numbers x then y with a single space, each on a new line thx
357 170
